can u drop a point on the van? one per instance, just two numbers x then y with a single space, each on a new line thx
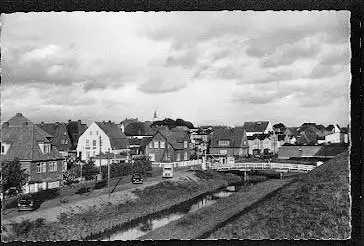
167 171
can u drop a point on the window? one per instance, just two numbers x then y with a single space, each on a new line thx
224 142
2 149
41 167
156 144
65 133
93 142
47 148
151 145
93 153
90 132
53 166
152 157
97 132
64 166
87 143
223 151
185 145
87 154
186 156
162 145
178 157
100 142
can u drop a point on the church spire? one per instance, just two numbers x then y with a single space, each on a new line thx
155 117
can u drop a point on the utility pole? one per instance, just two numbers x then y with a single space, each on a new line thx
100 154
81 169
108 173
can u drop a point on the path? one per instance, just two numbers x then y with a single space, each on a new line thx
81 202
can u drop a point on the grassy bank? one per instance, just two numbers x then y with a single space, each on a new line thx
196 224
76 226
316 206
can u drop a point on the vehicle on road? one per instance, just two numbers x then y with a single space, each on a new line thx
137 178
167 171
12 191
27 202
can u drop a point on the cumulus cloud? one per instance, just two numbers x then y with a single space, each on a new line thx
183 59
290 54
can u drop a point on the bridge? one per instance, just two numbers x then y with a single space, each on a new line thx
279 167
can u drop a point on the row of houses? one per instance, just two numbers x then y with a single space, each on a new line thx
42 148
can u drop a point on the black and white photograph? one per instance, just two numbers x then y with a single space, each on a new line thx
175 125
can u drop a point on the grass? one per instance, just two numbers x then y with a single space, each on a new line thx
77 226
196 224
315 207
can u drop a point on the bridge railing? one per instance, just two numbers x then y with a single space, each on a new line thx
264 166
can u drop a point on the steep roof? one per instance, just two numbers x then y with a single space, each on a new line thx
59 131
75 129
138 129
175 138
118 140
255 126
235 135
23 137
292 131
144 142
258 136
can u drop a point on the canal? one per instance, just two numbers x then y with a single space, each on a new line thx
142 226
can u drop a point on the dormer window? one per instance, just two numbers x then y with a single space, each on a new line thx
185 145
46 148
224 142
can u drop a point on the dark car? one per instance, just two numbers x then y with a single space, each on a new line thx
137 178
27 202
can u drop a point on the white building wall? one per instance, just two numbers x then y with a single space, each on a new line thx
333 138
93 151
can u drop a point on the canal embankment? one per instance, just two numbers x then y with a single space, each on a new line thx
204 221
96 219
317 206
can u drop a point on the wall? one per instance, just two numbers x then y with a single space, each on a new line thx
47 176
337 137
81 146
230 151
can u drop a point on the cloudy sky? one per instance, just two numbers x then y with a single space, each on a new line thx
205 67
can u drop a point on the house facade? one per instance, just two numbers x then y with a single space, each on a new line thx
229 142
263 144
168 146
258 127
102 137
25 141
61 139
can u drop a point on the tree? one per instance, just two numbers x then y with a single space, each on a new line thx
13 175
89 170
71 174
142 165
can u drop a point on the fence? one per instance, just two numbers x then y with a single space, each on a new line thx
264 166
179 163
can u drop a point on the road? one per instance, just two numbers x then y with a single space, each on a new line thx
52 208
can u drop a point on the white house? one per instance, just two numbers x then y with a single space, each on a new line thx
102 137
258 127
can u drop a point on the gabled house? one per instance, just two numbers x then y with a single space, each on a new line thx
168 146
229 142
258 127
263 144
291 135
75 129
126 122
136 131
102 137
336 135
61 139
33 147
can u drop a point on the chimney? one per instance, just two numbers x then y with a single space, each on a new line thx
109 121
79 121
42 123
19 114
69 121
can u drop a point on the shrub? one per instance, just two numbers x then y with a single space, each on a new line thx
100 184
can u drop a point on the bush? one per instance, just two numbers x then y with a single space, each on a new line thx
45 195
83 190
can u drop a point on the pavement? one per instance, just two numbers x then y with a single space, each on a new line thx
50 210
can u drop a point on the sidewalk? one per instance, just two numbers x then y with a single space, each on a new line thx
77 203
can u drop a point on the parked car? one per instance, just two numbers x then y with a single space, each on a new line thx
12 191
137 178
27 202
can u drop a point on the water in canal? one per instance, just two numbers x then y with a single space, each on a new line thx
141 227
